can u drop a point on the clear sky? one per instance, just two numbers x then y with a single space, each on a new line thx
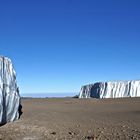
60 45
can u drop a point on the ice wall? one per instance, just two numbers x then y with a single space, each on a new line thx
9 93
117 89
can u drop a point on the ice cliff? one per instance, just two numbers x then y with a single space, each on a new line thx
116 89
9 93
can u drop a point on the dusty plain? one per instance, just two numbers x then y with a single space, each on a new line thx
76 119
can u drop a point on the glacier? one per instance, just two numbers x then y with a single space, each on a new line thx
9 92
114 89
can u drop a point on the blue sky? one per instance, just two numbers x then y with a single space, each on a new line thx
58 46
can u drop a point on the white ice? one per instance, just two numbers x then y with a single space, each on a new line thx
116 89
9 93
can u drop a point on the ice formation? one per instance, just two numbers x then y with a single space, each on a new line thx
9 93
116 89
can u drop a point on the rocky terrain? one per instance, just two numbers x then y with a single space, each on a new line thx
75 119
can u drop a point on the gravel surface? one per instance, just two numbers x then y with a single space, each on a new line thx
76 119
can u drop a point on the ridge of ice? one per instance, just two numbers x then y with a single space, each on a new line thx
114 89
9 93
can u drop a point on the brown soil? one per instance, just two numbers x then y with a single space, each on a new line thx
75 119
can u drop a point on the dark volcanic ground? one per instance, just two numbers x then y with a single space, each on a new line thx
76 119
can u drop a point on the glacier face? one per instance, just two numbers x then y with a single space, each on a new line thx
116 89
9 93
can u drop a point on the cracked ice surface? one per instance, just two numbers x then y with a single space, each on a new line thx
116 89
9 93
